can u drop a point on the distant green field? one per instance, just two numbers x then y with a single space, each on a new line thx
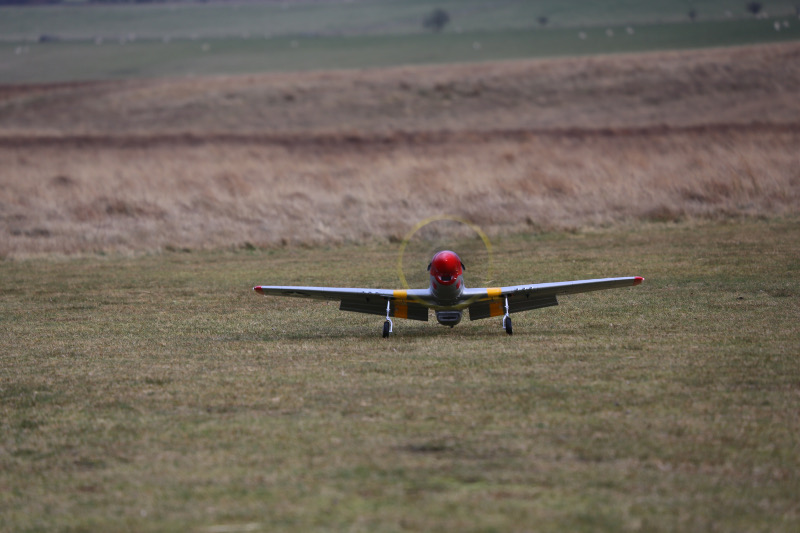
107 42
84 60
348 17
159 393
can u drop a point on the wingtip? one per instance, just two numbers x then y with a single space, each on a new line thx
257 289
638 280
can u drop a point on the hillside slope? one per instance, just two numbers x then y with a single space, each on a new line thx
353 156
741 85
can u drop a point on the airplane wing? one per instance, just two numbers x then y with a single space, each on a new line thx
488 302
402 303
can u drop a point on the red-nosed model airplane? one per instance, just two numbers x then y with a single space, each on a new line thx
448 296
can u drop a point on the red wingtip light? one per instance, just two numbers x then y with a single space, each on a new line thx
638 280
257 289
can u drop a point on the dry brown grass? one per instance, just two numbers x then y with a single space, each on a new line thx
354 156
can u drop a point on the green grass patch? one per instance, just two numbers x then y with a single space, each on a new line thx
344 17
214 54
160 393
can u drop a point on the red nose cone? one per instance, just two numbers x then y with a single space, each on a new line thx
446 267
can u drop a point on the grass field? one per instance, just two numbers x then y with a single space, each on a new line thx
145 387
65 199
346 17
159 393
100 43
333 157
72 61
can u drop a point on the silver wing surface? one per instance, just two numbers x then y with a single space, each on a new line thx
409 304
488 302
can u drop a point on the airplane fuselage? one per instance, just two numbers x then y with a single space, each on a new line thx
447 284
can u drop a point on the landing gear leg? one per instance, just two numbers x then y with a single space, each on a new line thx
507 320
387 326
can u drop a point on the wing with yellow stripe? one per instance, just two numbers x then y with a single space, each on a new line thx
408 304
489 302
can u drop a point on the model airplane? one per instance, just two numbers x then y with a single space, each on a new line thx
448 296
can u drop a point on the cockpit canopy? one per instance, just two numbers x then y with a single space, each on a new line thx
446 267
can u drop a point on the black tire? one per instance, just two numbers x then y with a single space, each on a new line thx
508 326
385 329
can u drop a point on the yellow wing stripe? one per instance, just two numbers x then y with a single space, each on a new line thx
494 292
400 306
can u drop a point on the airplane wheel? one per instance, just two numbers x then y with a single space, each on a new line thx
385 329
508 326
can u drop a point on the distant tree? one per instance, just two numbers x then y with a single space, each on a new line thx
543 21
436 20
754 7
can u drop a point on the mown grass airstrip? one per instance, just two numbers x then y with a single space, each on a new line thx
159 393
